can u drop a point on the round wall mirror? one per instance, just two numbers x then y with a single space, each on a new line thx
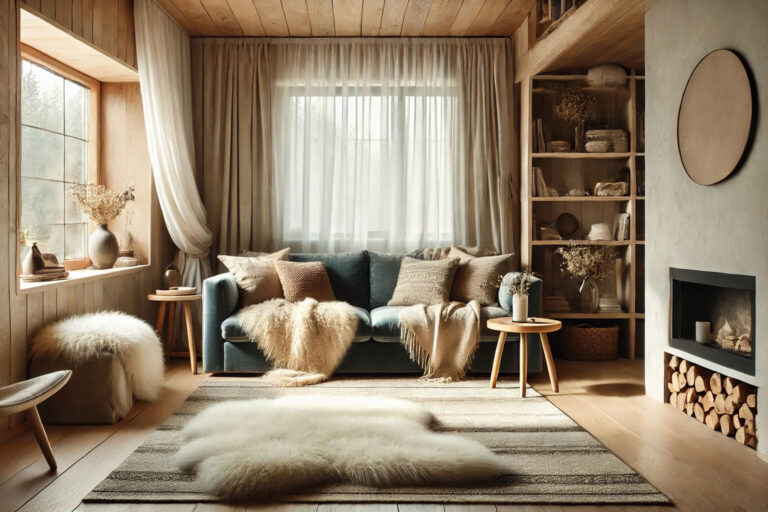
715 118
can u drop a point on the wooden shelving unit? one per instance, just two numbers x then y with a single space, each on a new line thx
619 109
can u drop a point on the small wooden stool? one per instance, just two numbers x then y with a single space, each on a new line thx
24 397
540 326
171 300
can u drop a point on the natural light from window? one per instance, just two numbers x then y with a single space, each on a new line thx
54 155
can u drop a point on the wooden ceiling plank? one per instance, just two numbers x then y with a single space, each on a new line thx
415 17
247 17
321 17
222 17
348 17
465 17
371 22
441 16
487 16
392 17
170 8
297 18
511 17
272 17
196 14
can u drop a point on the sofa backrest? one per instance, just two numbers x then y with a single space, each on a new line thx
348 273
384 269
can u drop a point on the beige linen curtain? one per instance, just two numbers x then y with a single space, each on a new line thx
346 144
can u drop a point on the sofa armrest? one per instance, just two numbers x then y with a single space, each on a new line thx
220 299
534 297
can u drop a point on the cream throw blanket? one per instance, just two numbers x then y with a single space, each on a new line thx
442 338
305 340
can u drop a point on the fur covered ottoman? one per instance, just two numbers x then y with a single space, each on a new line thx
114 358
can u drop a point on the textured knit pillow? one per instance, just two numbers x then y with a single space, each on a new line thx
302 280
424 282
475 278
256 276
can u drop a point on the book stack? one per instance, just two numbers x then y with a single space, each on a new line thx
47 268
610 305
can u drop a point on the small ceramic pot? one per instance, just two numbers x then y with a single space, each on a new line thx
519 307
103 248
171 277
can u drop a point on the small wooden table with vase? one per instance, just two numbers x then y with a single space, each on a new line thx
534 325
165 297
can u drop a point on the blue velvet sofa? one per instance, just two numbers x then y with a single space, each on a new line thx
366 280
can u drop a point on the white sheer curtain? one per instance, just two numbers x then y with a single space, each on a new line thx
162 49
391 144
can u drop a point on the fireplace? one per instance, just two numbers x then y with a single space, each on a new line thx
727 302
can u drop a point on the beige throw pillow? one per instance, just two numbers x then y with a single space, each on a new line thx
302 280
256 276
476 277
424 282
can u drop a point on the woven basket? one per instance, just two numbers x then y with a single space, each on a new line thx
587 343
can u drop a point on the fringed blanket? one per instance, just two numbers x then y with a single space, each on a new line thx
305 340
442 338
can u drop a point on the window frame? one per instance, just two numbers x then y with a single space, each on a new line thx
94 134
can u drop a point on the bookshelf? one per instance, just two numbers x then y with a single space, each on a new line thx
617 107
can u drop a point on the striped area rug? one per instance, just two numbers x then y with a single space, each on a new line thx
554 460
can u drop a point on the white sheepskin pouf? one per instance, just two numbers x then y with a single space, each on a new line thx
252 449
132 340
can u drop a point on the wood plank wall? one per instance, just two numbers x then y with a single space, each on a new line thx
124 150
107 24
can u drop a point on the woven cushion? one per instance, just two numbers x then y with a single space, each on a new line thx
476 277
256 276
348 272
424 282
302 280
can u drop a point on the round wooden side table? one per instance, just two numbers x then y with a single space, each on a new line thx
171 301
540 326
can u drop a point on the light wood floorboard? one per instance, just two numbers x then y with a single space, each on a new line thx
696 467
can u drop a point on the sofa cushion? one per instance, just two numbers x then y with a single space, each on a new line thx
256 276
385 322
476 277
231 330
348 273
304 280
384 268
424 282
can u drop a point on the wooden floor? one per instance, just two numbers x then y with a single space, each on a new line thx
700 470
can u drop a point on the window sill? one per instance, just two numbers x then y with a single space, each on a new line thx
78 277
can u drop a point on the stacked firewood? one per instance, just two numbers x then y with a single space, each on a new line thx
722 403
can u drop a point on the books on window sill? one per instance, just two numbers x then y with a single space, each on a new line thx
50 271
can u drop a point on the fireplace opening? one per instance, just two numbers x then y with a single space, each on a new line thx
713 316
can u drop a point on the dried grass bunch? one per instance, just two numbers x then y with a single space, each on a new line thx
99 203
584 261
575 106
518 283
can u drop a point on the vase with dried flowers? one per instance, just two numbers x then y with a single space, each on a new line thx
575 106
101 205
518 285
590 265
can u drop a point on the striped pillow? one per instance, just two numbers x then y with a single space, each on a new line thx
476 277
424 282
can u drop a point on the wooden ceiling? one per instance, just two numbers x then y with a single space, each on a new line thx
349 18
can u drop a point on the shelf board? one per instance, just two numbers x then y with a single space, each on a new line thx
559 77
641 153
640 316
640 242
581 242
581 199
585 156
640 198
587 316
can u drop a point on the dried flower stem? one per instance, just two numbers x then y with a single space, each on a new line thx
99 203
584 261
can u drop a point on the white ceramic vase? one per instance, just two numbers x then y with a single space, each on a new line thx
519 307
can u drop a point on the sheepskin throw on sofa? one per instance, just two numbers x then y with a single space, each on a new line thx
264 447
442 338
305 340
77 339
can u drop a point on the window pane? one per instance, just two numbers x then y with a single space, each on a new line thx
42 98
76 110
75 161
42 154
74 238
42 202
53 240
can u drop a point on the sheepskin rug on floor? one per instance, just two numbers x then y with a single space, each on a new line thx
258 448
79 338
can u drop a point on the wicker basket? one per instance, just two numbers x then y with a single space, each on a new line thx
587 343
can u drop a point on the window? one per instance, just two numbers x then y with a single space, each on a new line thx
346 161
57 150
